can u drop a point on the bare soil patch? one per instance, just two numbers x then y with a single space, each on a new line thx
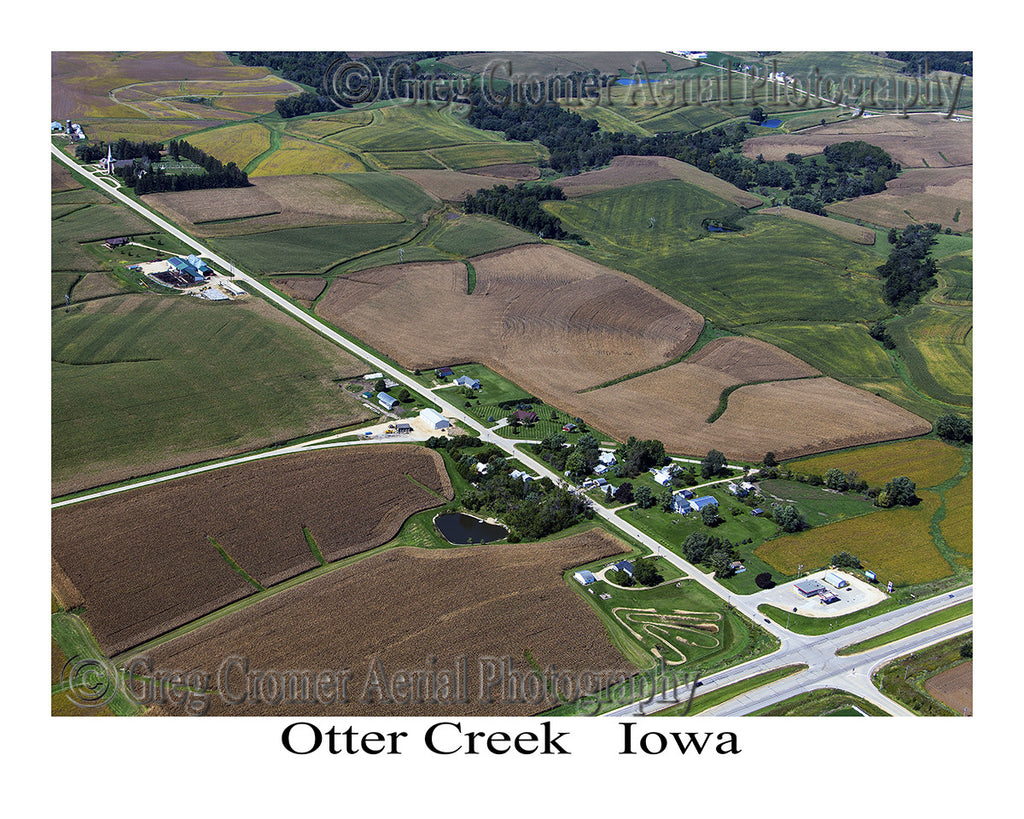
405 606
512 171
61 178
270 203
941 195
917 141
304 289
453 186
954 687
632 170
143 561
747 359
855 233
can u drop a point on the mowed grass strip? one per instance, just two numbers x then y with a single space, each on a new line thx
926 461
957 525
914 627
896 544
728 692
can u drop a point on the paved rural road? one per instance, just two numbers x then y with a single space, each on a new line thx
792 645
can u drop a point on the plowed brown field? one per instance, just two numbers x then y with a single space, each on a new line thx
921 195
559 325
413 610
918 141
632 170
143 561
954 687
551 320
453 186
513 171
303 289
270 203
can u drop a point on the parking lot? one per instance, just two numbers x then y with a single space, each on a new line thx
857 595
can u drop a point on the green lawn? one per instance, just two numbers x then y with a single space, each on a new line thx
820 702
913 627
703 702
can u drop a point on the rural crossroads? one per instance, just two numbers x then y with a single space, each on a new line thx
817 652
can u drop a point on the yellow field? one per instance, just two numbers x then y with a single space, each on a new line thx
109 130
926 461
895 544
297 156
956 527
235 143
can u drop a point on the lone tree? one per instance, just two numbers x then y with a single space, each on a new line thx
644 497
764 581
709 515
844 560
713 464
624 494
645 573
836 479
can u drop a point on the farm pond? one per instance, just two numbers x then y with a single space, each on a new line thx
462 529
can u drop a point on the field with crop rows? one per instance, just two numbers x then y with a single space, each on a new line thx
503 601
926 461
153 559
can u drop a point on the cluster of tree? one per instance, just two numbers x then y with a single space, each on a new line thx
713 464
844 560
531 509
519 205
121 149
308 102
880 333
635 457
788 518
215 173
898 492
578 460
840 481
909 272
710 550
844 171
954 428
576 144
645 573
922 62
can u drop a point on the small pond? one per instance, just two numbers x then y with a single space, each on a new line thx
462 529
771 123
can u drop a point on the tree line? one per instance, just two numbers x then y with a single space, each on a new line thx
909 272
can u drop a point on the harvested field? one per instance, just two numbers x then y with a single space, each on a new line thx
632 170
151 130
143 560
303 289
81 81
529 317
855 233
500 601
954 687
557 324
919 141
271 203
513 172
451 186
747 359
61 178
95 286
918 196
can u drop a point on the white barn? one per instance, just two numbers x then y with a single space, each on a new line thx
435 419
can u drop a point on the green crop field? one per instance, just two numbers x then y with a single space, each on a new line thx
393 191
406 160
411 128
475 235
957 273
310 248
935 343
771 270
142 382
843 350
477 155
